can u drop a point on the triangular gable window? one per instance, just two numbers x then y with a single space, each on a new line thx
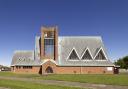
86 55
73 55
100 55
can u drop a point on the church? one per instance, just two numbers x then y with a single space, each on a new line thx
55 54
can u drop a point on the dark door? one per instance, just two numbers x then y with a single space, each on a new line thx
49 70
116 70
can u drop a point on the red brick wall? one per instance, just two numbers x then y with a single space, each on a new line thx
47 64
64 70
75 70
96 70
83 70
55 31
68 70
34 70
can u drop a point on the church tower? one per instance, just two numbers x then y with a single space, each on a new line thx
49 43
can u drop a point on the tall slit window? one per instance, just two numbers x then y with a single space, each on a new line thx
49 47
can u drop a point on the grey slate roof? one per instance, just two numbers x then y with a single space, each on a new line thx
80 43
65 45
25 58
37 47
0 66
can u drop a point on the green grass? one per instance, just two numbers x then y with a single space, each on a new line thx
120 79
14 84
11 74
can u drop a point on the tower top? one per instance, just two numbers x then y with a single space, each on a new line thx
49 42
44 28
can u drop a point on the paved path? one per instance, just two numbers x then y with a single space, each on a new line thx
66 83
4 88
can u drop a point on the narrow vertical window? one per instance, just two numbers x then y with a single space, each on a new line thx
49 47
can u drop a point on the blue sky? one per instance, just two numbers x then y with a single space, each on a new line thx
21 20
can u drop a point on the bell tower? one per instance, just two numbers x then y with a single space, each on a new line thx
49 43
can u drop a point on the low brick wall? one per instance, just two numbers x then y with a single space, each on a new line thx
68 70
64 69
83 70
77 70
34 70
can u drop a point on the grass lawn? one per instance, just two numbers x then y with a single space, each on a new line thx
120 79
11 74
14 84
98 79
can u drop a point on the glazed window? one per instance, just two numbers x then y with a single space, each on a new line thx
49 34
49 47
18 67
49 41
100 55
73 55
27 67
86 55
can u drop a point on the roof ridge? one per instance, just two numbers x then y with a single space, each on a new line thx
16 51
81 36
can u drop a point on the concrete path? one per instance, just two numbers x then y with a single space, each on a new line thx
4 88
66 83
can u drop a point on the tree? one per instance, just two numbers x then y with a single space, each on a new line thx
125 59
122 62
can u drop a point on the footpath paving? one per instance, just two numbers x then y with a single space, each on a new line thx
67 83
4 88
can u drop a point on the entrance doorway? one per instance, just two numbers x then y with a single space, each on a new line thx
49 70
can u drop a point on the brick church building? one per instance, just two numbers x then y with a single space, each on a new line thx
63 55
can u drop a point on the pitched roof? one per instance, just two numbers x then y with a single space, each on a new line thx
65 46
0 66
87 54
80 43
25 58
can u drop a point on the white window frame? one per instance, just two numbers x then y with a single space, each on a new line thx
70 54
89 53
101 49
